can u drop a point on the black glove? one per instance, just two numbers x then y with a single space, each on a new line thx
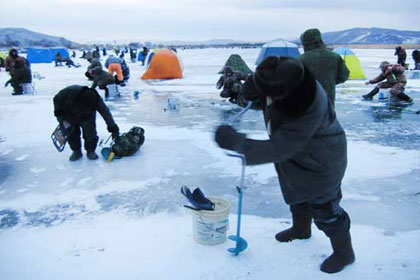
114 130
227 138
89 76
248 89
7 83
248 93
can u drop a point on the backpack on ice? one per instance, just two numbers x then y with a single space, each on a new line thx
125 145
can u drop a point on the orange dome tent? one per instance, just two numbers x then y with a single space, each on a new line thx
164 65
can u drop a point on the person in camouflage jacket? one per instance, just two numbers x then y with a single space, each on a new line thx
231 83
327 66
395 80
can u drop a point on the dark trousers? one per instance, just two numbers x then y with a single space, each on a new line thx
328 214
89 136
17 87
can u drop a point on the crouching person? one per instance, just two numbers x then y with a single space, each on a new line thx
76 106
395 80
307 145
20 74
100 79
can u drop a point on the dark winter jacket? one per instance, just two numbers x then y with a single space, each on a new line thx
21 74
12 58
327 66
125 70
101 78
392 76
94 62
306 143
76 104
401 54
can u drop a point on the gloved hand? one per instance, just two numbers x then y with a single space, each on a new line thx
7 83
114 130
248 89
227 138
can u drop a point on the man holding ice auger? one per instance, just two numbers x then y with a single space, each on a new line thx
308 147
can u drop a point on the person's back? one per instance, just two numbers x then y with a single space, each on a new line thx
326 66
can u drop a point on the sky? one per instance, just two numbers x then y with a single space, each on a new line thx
197 20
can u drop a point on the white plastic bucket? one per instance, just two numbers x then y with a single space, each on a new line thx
384 94
210 227
27 88
113 90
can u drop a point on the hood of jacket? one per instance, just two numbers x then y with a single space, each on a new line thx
311 39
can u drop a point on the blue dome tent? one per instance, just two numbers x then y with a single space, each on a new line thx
276 48
38 55
45 55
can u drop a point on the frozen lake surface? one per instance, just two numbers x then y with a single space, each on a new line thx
124 219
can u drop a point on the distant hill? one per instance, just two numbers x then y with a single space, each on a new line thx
21 37
370 36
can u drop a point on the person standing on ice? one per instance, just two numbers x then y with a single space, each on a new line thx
76 106
395 80
326 66
401 55
308 147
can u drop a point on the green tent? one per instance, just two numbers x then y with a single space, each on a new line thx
238 64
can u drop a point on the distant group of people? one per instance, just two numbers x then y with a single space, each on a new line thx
329 75
402 56
59 59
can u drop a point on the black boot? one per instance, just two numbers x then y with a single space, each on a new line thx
371 94
301 229
405 97
92 155
76 155
343 253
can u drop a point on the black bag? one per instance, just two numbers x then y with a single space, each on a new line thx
128 143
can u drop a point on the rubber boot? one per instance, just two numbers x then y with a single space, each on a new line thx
92 155
342 255
76 155
301 228
371 94
405 97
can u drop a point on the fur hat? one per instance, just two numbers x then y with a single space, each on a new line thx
277 76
